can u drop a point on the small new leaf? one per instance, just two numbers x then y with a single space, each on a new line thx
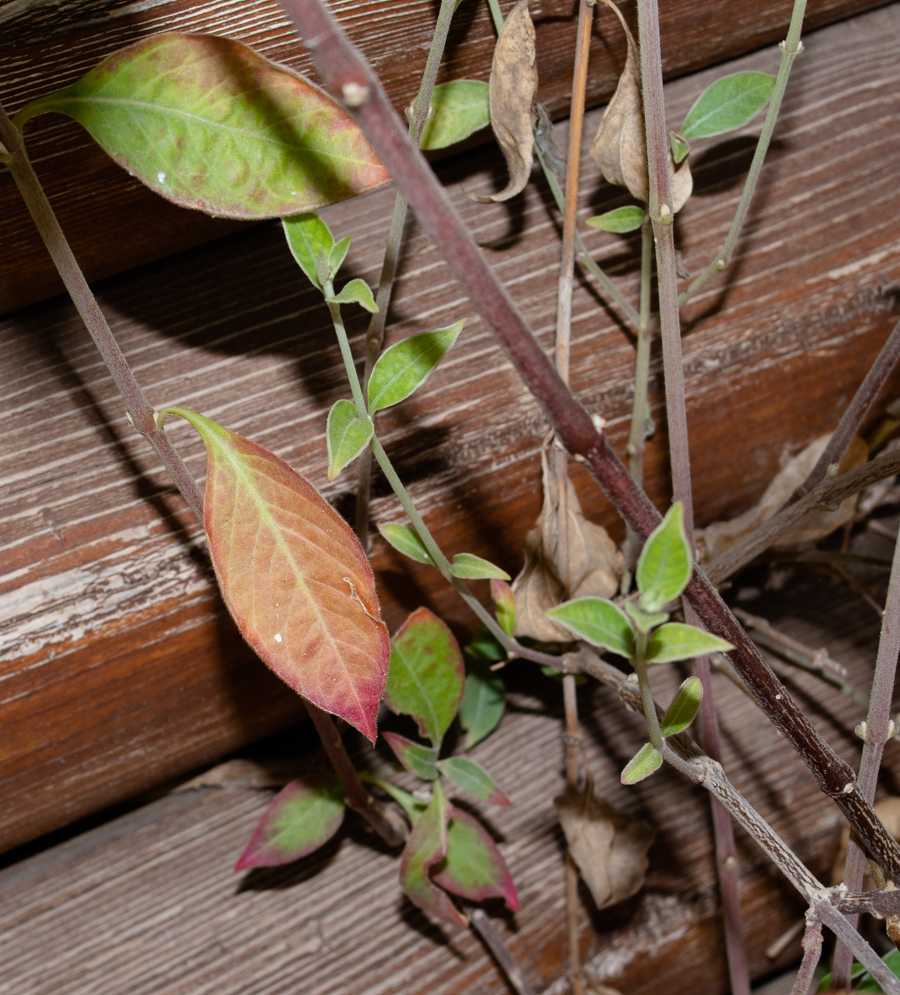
679 147
416 758
644 621
347 436
483 702
504 605
356 292
727 104
473 778
406 540
620 221
404 367
337 254
299 819
468 566
677 641
426 676
642 764
664 566
461 108
598 621
680 714
307 236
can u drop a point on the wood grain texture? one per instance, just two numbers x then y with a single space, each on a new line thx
119 667
148 904
114 223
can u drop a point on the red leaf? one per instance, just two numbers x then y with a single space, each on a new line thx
294 577
474 868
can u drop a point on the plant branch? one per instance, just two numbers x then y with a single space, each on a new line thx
827 495
140 411
392 829
791 47
342 69
482 925
418 114
856 412
877 730
812 951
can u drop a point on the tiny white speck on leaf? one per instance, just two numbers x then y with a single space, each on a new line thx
161 176
277 637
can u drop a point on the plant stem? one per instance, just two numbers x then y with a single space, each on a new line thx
878 730
857 410
479 921
825 496
391 830
791 47
418 115
340 65
639 409
140 411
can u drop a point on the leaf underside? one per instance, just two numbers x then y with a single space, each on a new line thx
294 577
210 124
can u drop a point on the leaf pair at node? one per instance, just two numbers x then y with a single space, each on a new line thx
315 251
466 566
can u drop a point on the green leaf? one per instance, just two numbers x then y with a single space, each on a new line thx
621 220
426 847
483 702
347 434
474 868
307 236
473 778
406 366
409 803
727 104
337 254
485 646
416 758
598 621
680 714
504 605
299 819
860 979
426 676
676 641
208 123
664 566
461 108
680 148
642 764
294 577
468 566
644 621
356 292
406 541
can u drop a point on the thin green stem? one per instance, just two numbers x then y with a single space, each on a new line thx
417 115
639 410
346 354
791 47
496 15
639 662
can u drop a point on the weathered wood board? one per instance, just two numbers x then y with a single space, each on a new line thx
114 223
118 665
148 904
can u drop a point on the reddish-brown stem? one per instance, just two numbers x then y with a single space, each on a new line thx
392 831
857 410
344 70
812 950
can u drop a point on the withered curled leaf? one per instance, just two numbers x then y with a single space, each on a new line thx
620 145
608 847
513 86
594 563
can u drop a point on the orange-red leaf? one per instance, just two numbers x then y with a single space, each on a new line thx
293 576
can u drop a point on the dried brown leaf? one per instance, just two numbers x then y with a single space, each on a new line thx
608 846
620 145
594 563
721 536
513 86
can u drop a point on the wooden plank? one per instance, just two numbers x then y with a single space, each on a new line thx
114 223
119 667
148 903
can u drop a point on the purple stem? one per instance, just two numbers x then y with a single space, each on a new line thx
345 71
812 951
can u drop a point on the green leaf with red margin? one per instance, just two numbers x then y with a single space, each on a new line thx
417 759
427 675
303 816
294 577
504 605
474 868
473 778
210 124
426 847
